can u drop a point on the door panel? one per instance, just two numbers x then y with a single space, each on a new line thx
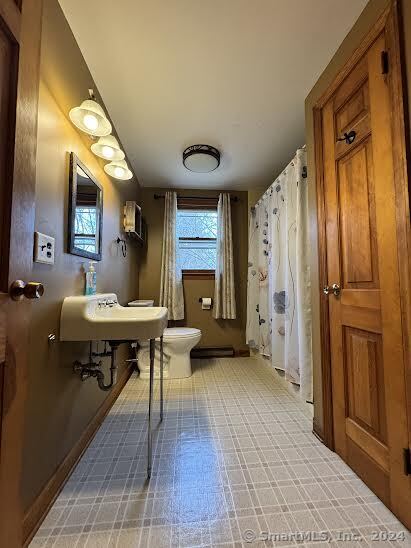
20 33
358 244
366 339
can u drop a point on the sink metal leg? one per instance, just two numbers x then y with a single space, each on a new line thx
150 408
161 379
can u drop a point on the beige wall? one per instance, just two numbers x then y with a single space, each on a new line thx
365 22
215 332
59 405
253 196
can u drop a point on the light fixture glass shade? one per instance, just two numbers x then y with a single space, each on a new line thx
201 158
108 148
90 118
118 170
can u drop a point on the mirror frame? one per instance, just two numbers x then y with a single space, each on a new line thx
71 248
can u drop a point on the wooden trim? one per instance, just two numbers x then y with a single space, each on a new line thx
327 431
388 21
11 15
192 202
318 431
213 352
365 44
402 157
198 274
243 352
35 515
196 239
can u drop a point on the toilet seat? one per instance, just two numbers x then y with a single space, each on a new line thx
171 333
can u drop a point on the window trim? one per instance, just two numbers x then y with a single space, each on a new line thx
198 274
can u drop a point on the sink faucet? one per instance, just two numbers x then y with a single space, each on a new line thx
107 303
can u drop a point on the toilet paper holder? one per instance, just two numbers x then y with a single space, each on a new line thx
200 300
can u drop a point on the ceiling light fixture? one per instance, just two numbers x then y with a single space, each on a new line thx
90 117
108 148
118 170
201 158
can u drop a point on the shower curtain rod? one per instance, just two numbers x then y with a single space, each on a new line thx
252 208
160 196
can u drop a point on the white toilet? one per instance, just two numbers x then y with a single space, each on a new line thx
177 345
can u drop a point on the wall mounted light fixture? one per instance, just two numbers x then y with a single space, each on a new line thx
118 170
90 117
108 148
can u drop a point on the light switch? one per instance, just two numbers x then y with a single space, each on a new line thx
43 248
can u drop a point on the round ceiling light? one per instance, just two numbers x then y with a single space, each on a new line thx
118 170
108 148
201 158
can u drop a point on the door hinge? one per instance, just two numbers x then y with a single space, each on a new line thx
407 462
384 62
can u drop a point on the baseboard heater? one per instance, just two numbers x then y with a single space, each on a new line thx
213 352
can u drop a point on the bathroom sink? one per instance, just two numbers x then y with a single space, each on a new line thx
100 318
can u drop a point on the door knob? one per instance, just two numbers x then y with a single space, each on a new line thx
30 290
326 290
336 289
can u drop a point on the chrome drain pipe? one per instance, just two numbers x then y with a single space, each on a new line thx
93 369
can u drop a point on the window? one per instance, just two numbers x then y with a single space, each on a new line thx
197 237
85 228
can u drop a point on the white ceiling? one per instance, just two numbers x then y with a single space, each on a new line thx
230 73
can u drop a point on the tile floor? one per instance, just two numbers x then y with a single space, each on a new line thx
235 457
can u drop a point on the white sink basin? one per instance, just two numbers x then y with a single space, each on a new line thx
101 318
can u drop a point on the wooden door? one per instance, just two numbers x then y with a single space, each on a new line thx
20 29
363 249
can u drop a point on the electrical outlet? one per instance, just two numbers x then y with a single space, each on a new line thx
43 248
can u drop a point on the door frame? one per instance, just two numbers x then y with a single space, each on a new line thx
390 23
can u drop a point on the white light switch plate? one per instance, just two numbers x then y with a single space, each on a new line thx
43 248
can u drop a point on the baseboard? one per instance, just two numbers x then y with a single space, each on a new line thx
243 352
212 352
35 515
220 352
318 431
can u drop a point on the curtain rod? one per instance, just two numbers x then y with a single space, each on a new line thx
232 198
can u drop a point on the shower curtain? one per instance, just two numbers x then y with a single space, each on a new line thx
278 297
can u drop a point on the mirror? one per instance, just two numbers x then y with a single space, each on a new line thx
85 219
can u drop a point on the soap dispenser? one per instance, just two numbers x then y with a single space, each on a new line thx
91 280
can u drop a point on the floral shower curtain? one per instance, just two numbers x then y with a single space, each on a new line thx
278 298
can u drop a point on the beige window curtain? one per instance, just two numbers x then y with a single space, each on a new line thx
224 293
171 285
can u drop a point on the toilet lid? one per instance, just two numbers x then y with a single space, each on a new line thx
175 332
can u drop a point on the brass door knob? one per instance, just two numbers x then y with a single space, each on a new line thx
326 290
336 289
30 290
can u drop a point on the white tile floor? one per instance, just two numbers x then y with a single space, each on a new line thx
235 460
